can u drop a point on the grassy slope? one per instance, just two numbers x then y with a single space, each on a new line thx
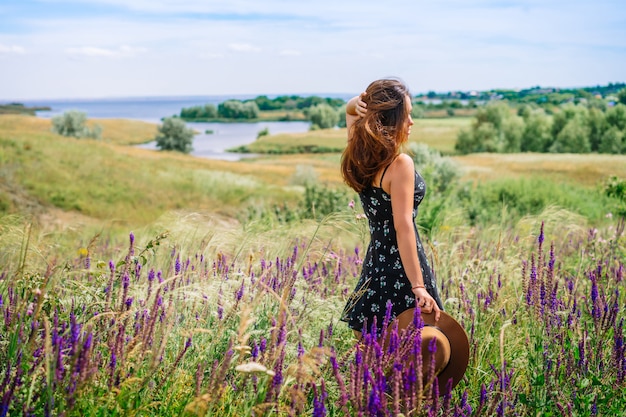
111 182
119 183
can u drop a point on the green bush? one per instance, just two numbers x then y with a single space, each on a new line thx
320 201
174 135
322 116
263 132
615 188
441 175
304 175
73 124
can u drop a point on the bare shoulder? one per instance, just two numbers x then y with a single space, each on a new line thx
403 164
400 172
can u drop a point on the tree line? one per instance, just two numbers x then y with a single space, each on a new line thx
245 110
586 126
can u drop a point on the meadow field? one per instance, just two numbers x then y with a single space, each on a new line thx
144 283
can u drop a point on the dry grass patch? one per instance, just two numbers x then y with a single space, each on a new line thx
440 134
280 168
125 132
584 169
118 131
15 123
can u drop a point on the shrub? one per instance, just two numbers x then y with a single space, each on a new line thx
304 175
322 116
73 124
263 132
440 174
174 135
320 201
615 188
417 112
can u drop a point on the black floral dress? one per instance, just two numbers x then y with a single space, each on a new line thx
383 278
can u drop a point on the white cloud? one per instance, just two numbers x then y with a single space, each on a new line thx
12 49
243 47
123 51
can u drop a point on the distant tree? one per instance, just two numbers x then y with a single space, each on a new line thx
208 111
322 116
573 138
616 116
567 112
596 121
310 102
493 130
265 103
621 95
341 112
465 142
482 137
536 136
612 141
73 123
495 113
512 132
236 109
174 135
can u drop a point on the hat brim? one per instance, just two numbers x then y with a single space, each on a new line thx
459 344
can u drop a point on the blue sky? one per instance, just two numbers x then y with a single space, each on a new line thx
122 48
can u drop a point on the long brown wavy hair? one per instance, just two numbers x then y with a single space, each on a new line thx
375 139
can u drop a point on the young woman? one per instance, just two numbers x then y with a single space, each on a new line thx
395 268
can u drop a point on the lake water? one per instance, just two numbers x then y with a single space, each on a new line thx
154 109
229 135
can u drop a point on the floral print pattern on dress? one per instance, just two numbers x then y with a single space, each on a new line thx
382 272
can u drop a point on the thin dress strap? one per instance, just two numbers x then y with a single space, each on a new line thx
382 176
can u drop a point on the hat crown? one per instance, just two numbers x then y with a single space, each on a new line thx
440 348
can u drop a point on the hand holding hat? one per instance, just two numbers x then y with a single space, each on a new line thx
452 346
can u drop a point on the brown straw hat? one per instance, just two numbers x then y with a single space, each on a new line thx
452 354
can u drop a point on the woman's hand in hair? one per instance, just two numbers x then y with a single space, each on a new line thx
355 109
360 107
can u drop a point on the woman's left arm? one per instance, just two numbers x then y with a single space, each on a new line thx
401 183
